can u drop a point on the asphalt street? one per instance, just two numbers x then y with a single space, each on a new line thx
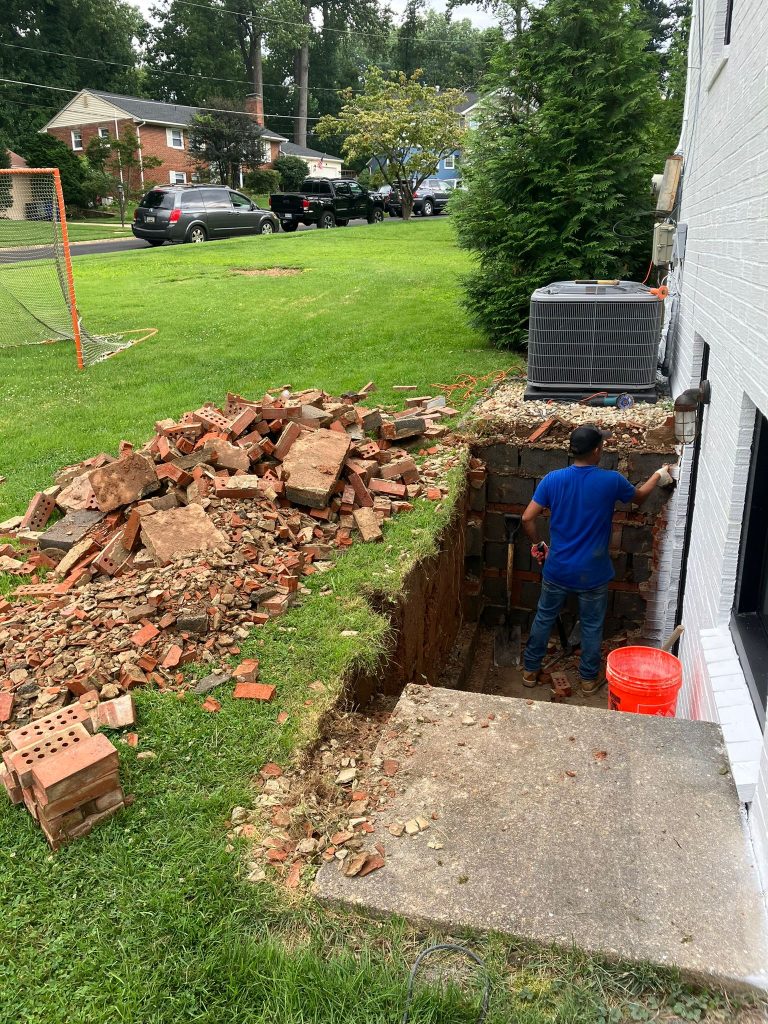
125 245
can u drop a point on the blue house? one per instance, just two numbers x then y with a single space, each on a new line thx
449 168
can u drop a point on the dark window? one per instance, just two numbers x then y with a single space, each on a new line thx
216 199
750 613
158 200
728 20
342 189
308 188
192 200
240 202
323 188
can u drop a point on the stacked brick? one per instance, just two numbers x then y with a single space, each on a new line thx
65 775
502 482
172 553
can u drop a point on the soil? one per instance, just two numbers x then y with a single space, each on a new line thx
269 272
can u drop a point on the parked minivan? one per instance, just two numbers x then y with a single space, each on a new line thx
196 213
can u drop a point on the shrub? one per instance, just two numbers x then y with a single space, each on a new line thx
262 181
292 170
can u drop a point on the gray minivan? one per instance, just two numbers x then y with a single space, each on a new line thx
195 213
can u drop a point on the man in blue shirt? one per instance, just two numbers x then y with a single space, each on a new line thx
581 500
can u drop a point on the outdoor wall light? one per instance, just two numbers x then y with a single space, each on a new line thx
687 410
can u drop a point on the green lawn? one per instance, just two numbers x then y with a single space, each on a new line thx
147 920
87 230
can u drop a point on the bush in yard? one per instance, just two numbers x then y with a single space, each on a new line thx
292 170
42 150
561 157
262 181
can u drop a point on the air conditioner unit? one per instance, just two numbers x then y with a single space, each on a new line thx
588 336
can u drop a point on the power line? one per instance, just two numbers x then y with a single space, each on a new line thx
133 67
208 110
249 16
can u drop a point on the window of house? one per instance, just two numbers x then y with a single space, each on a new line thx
450 162
728 20
749 623
175 138
178 178
104 134
77 139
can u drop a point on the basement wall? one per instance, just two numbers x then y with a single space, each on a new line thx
503 481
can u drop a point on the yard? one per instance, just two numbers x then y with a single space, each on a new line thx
148 919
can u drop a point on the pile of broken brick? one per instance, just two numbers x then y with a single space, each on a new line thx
65 773
172 553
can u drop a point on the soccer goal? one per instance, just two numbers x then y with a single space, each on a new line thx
37 289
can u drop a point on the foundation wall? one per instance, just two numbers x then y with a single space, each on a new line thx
503 482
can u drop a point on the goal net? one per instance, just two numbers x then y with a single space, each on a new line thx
37 291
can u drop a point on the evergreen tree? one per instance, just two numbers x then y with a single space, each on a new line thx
560 157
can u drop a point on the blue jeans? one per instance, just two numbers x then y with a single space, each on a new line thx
592 608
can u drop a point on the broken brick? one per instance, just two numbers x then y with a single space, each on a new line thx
145 634
254 691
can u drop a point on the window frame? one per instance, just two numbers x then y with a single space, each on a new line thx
169 134
749 617
728 22
173 175
246 205
449 166
104 134
79 133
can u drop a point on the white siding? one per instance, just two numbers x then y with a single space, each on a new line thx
86 108
724 303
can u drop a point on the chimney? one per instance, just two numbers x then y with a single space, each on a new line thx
254 104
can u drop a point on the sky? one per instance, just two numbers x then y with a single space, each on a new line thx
478 17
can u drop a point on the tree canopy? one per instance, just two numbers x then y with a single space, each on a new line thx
409 127
224 143
562 156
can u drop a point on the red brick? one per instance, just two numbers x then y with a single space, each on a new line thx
12 788
43 728
172 656
145 634
241 423
55 808
6 705
116 713
179 476
254 691
389 487
25 760
67 772
38 512
291 433
247 671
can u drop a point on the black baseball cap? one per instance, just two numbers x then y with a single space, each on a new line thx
586 438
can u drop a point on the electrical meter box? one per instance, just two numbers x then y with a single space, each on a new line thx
663 240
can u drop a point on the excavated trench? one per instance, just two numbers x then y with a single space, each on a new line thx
454 604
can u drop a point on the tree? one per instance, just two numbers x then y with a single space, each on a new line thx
225 143
292 170
31 30
117 167
561 156
43 150
6 189
407 126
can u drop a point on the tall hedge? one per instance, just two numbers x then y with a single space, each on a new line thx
560 165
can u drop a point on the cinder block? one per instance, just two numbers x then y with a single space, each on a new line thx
473 565
636 540
478 497
494 526
537 462
495 555
473 538
500 458
629 606
620 565
642 464
641 568
495 590
509 490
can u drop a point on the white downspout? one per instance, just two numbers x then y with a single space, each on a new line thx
139 125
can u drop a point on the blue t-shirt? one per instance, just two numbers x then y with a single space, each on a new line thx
581 500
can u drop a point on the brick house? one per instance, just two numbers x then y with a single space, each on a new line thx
161 128
717 550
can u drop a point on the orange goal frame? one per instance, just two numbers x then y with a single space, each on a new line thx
54 173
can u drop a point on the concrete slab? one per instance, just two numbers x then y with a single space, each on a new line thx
619 833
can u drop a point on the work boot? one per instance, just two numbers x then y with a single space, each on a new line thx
589 687
530 678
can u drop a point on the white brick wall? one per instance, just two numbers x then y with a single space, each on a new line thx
723 284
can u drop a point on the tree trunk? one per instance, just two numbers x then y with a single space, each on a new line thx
301 76
257 69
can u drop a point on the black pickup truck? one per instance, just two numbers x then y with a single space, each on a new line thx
327 202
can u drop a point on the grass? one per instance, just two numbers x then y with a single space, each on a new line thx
148 921
87 231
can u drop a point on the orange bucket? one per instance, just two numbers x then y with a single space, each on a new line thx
643 680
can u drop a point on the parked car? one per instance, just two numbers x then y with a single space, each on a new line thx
384 193
430 197
196 213
327 202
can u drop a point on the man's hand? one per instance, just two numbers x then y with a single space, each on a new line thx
539 552
661 477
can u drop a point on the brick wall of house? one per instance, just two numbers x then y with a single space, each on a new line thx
154 143
723 288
